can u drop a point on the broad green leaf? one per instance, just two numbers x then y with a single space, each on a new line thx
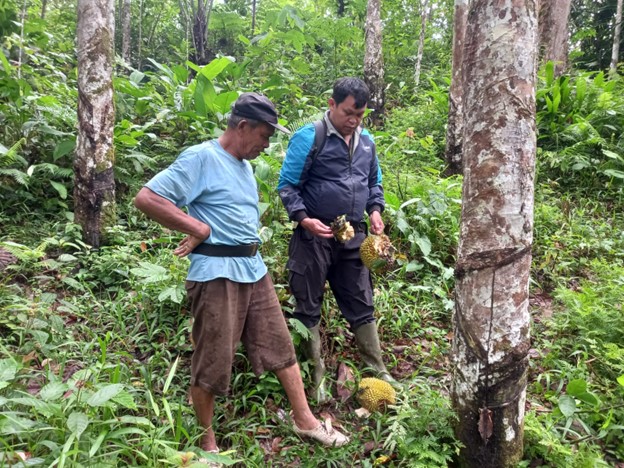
567 405
77 423
125 399
614 173
8 369
136 76
103 395
5 63
60 188
620 380
214 68
64 148
424 244
150 273
612 155
53 391
263 170
414 266
223 101
12 424
576 387
588 398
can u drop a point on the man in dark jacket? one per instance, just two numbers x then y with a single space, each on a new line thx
318 184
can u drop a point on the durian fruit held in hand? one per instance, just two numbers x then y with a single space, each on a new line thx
377 253
342 229
374 394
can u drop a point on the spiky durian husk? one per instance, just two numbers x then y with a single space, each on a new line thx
342 229
377 253
374 394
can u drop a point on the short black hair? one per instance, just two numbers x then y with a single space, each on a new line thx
348 86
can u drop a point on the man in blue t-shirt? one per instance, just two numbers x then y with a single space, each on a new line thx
231 296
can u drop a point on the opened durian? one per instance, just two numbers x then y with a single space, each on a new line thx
373 394
377 253
342 229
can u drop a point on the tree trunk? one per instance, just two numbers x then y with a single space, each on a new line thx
421 43
455 127
125 36
139 58
615 52
491 339
253 18
94 188
199 33
373 60
44 6
553 33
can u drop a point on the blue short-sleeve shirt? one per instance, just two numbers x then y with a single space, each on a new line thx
221 191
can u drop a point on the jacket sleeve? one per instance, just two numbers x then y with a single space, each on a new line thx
375 200
294 172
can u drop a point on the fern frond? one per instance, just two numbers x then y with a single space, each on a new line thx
19 176
300 122
24 253
8 156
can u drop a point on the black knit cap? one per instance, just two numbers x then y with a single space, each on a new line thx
257 107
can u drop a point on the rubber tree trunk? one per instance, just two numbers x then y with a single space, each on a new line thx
455 126
125 30
615 51
94 187
491 320
373 61
421 43
553 33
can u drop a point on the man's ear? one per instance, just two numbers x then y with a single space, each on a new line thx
331 103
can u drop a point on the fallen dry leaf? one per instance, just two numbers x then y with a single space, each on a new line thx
345 374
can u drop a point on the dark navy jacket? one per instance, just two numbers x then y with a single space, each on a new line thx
336 182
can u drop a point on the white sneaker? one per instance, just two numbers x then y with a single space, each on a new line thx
329 437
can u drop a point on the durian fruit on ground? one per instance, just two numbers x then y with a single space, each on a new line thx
374 394
377 253
342 229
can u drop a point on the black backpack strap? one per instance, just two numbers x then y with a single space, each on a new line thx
320 136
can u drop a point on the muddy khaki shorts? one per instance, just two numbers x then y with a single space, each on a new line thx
227 313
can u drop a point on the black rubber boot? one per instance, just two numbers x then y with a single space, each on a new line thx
312 351
367 340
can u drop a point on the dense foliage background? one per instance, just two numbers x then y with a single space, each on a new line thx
94 360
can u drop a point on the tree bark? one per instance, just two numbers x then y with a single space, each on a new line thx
44 6
253 17
94 188
126 36
615 52
553 33
455 127
491 319
421 43
373 61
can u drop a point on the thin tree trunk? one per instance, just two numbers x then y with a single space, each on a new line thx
373 60
44 6
140 40
491 339
21 46
94 187
455 127
421 43
553 33
199 33
615 52
126 37
253 18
